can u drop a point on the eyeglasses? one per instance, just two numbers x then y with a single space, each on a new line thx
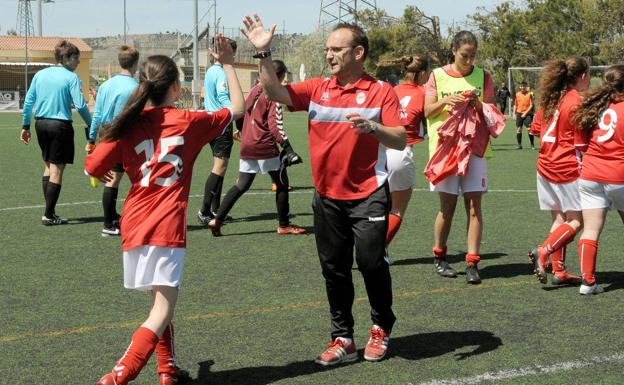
336 50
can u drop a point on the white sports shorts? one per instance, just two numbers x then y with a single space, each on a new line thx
596 195
558 196
148 266
476 179
255 166
401 169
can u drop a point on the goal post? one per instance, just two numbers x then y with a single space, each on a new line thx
516 75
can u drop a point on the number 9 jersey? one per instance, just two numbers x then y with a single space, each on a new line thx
158 154
604 160
559 159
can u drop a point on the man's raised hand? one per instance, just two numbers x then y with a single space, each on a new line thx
254 30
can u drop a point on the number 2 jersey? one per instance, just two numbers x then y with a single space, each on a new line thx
559 159
604 160
158 155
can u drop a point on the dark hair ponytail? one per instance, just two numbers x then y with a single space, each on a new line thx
597 100
555 79
156 76
413 65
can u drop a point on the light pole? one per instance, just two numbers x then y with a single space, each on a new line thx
125 29
195 86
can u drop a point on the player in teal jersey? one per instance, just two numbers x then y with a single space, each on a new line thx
110 101
52 93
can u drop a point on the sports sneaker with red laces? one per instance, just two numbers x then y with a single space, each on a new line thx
337 352
565 278
215 227
377 345
107 379
290 229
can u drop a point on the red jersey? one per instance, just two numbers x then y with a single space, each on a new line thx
263 126
346 166
412 99
604 160
561 141
158 155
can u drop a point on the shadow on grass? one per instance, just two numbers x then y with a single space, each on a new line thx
609 280
84 220
414 347
451 258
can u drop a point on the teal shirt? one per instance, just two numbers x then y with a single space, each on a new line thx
52 92
111 99
216 92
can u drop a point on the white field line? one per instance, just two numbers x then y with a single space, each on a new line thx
528 371
306 191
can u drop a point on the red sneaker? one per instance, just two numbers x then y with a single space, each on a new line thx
215 226
338 351
108 379
377 345
291 229
565 278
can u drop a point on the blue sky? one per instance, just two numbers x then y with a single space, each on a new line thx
89 18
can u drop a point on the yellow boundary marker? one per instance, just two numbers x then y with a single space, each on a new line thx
249 312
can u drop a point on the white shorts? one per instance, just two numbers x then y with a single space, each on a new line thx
401 169
558 196
255 166
476 179
596 195
147 266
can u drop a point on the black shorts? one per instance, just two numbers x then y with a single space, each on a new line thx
118 168
222 145
56 140
526 121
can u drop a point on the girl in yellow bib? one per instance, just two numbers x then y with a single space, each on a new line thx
445 88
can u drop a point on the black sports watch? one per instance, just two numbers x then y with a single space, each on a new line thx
262 54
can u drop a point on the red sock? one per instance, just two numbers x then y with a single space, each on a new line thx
587 251
472 259
165 352
394 222
562 235
140 350
439 252
558 260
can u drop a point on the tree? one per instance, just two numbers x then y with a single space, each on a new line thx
310 52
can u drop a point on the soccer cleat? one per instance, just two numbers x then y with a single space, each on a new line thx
55 220
443 268
291 229
110 231
377 344
107 379
228 219
587 289
539 265
204 219
565 278
472 274
337 352
215 226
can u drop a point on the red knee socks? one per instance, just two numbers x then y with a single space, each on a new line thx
394 222
140 350
165 352
587 251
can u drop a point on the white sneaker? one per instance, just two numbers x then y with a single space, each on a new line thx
110 231
586 289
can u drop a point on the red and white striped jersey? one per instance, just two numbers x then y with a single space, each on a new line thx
346 166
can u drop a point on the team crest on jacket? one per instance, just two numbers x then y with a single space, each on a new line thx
360 98
325 96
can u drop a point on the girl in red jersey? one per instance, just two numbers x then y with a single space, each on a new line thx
158 145
601 117
401 163
558 163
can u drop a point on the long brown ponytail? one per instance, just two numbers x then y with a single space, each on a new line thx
598 99
413 65
555 79
156 76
